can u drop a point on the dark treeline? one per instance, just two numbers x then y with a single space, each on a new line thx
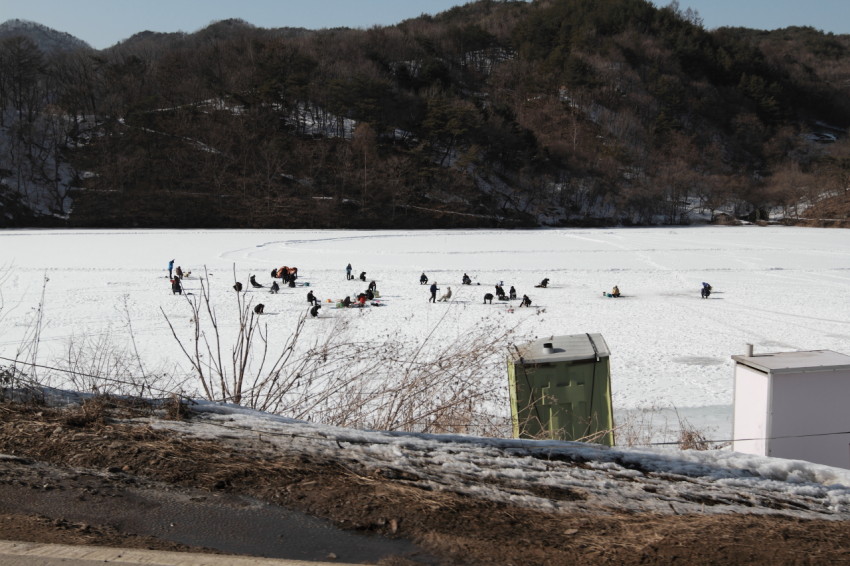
497 113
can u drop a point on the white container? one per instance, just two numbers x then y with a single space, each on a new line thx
793 405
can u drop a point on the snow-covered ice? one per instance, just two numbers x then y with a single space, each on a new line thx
779 288
549 475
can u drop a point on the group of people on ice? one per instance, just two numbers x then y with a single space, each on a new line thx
288 275
349 276
176 276
705 291
488 297
445 297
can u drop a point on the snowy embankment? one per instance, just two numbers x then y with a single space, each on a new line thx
779 288
550 476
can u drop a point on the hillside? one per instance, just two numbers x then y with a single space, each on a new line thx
46 39
459 500
555 112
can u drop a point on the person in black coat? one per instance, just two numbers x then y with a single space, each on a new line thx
433 290
176 287
423 279
311 298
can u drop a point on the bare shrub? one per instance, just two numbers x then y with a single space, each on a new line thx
692 439
90 412
458 387
402 385
27 351
652 426
101 364
176 408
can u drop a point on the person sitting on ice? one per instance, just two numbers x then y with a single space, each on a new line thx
311 298
423 279
706 290
176 287
466 280
526 302
512 293
543 284
615 292
274 288
254 283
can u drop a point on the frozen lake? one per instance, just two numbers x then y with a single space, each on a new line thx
778 288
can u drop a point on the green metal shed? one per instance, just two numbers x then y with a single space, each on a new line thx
560 389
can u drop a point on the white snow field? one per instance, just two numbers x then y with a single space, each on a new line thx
779 288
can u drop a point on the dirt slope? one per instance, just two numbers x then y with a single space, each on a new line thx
96 448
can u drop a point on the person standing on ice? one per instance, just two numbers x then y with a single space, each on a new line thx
433 290
348 272
170 268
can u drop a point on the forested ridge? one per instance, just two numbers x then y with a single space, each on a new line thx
495 113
